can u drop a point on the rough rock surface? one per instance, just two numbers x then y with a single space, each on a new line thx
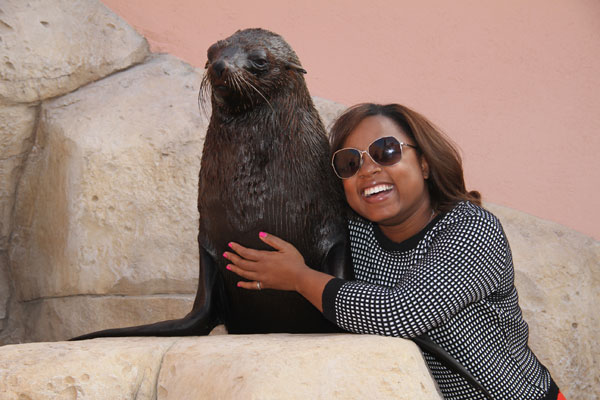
557 274
17 125
107 369
107 202
218 367
67 317
4 286
51 47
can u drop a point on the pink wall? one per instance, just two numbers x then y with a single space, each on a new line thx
515 83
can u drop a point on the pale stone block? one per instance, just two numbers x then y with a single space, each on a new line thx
94 369
51 47
328 111
107 203
280 366
557 276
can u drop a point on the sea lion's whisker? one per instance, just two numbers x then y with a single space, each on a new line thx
204 95
261 95
236 81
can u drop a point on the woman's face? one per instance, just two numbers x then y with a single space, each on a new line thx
400 189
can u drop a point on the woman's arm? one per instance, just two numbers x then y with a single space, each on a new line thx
465 261
282 269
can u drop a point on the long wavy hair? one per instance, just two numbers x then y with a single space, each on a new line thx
446 183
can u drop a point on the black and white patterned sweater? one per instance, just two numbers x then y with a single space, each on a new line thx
453 280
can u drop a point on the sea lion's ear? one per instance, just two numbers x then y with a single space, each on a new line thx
297 67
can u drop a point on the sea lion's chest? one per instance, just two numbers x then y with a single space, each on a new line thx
246 180
243 165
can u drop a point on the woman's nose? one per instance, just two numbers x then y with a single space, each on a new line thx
368 167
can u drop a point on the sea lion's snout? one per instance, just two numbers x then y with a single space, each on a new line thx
218 67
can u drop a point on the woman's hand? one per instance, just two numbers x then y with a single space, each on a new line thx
279 269
282 269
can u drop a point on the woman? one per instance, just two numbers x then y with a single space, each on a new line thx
427 257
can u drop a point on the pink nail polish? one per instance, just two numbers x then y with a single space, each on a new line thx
239 284
225 255
230 244
262 235
228 267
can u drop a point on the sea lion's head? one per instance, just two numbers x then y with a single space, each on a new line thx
249 68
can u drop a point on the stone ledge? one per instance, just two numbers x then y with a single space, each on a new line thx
275 366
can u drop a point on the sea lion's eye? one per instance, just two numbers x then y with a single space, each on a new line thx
259 63
258 60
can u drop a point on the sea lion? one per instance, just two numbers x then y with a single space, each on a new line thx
264 167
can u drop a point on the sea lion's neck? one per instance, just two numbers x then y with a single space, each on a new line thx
281 113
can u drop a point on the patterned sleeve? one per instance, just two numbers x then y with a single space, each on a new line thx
463 264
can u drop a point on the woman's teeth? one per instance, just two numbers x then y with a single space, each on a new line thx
376 189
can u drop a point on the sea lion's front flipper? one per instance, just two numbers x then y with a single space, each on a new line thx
200 321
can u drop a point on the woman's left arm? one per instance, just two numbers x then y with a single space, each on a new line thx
282 269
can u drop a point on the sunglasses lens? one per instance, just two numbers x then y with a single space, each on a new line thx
346 162
386 151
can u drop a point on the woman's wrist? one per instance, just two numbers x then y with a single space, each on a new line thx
310 284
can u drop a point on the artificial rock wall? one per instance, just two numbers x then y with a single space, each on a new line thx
100 145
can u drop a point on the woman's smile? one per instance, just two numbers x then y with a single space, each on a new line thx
377 191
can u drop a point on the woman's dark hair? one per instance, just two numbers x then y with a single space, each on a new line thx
446 183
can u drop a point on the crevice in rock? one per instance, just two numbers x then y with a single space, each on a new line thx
11 324
147 58
160 365
5 26
21 169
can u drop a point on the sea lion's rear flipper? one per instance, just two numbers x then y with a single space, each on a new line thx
429 346
200 321
338 260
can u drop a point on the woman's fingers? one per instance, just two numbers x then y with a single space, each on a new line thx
274 241
256 255
240 262
250 285
251 275
265 268
246 253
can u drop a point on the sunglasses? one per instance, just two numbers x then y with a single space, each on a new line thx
384 151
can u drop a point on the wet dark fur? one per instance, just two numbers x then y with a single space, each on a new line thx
264 168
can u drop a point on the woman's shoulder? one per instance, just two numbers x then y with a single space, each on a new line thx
468 216
468 210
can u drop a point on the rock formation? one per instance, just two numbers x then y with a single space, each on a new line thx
100 145
47 48
218 367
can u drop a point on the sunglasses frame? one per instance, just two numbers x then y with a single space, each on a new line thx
361 152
